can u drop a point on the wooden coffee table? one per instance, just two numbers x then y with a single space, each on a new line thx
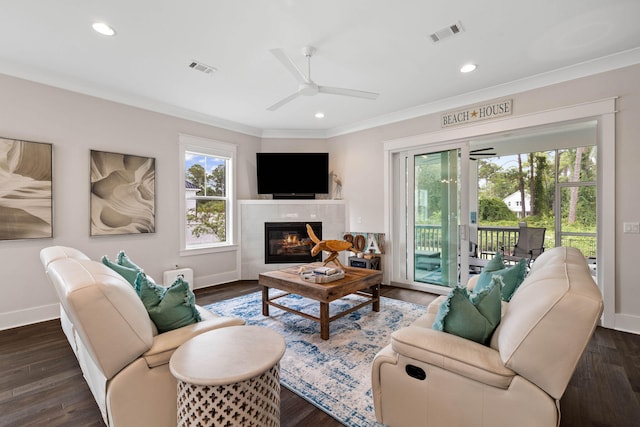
355 281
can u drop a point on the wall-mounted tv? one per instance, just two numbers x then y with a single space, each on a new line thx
293 175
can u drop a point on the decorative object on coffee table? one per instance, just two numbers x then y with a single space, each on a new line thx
334 247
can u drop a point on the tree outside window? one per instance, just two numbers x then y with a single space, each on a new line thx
208 195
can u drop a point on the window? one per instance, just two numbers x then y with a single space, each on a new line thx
207 193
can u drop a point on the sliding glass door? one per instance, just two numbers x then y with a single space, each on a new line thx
431 230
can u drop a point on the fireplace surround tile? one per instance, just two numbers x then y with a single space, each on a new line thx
254 213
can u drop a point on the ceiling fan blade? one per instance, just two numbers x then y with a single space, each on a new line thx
347 92
289 65
482 154
289 98
477 150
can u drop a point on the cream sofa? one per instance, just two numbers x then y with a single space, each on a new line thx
431 378
123 358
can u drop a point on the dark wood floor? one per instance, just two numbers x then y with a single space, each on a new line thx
41 383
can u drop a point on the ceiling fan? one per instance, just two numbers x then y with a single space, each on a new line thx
481 152
307 86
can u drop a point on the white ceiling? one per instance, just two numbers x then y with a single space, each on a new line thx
371 45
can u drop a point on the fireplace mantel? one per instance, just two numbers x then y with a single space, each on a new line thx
254 213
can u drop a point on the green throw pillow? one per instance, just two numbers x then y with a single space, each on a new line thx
496 263
125 261
128 273
512 277
471 316
169 308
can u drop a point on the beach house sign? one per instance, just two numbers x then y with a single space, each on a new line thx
477 113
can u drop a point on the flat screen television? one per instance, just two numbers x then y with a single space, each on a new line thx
293 175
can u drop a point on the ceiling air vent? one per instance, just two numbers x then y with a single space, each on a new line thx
449 31
207 69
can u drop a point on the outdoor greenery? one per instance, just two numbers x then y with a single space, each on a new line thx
530 175
209 216
535 176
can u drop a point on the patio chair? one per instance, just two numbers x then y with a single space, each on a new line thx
530 245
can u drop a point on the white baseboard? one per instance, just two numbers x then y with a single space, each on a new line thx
13 319
627 323
424 287
216 279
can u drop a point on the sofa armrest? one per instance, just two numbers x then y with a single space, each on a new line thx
166 343
452 353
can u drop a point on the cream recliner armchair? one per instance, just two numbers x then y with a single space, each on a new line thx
431 378
123 358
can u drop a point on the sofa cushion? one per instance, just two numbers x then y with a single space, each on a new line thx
512 278
471 316
169 307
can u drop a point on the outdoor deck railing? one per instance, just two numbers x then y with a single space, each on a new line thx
428 238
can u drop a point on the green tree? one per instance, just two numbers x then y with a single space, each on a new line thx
494 209
541 204
209 216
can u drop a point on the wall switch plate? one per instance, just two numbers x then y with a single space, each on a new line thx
631 227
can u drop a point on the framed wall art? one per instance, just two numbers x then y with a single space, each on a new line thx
26 202
122 194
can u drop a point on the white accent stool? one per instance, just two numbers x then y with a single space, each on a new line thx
229 377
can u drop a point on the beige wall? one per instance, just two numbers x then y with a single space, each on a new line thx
76 123
360 159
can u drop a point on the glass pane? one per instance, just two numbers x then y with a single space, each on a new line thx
207 173
586 244
577 164
206 222
436 210
578 209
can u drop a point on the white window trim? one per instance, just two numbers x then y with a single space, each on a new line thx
212 148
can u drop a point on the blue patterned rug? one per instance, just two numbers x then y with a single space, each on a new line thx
334 375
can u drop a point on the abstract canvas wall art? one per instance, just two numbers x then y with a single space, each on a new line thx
122 194
26 208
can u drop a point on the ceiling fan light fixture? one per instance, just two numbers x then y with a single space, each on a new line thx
104 29
467 68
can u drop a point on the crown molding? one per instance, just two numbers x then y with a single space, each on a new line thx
60 81
572 72
294 133
596 66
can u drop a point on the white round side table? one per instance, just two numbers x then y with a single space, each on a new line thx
229 377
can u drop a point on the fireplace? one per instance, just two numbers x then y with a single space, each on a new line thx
288 242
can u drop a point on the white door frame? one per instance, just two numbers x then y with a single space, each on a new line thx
601 110
402 271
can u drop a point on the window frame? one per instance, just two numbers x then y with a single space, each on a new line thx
213 148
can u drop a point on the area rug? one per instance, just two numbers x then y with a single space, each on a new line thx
334 375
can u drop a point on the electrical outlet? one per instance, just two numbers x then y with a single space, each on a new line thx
631 227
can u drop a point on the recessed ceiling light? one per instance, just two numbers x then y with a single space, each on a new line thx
319 115
104 29
467 68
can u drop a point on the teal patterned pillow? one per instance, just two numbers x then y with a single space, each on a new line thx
496 263
471 316
512 277
125 261
128 273
169 308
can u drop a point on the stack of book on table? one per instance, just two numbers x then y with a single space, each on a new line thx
322 274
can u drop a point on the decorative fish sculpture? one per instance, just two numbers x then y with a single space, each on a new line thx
334 247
